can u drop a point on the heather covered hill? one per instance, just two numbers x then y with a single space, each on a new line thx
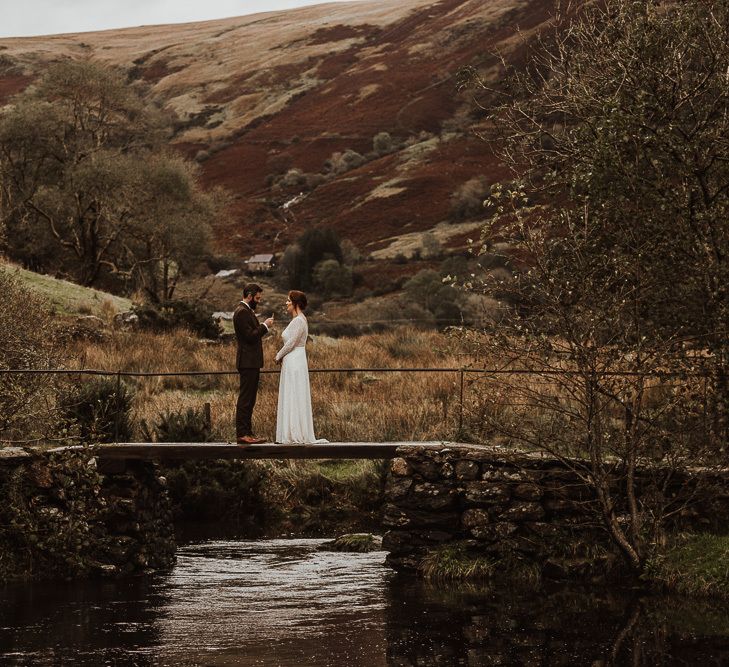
344 115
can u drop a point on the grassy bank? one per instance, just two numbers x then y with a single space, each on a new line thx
67 298
692 564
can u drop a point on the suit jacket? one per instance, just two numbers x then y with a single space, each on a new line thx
248 333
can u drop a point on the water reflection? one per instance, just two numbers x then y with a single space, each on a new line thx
555 625
282 602
70 623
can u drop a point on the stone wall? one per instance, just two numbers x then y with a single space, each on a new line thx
68 514
502 503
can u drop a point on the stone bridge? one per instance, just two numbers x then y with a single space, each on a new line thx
490 500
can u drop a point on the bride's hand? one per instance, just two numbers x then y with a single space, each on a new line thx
278 362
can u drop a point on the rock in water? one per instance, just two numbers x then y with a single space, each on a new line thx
354 542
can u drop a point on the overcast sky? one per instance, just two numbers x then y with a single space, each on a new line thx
19 18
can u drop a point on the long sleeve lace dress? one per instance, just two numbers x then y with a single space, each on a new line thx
294 421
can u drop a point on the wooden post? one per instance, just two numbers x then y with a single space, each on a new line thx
208 416
460 408
118 409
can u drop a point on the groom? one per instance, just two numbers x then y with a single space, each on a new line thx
249 360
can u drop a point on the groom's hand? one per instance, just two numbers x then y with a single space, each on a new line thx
269 322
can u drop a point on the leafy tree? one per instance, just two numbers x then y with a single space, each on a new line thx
170 233
81 167
313 246
332 278
423 288
619 126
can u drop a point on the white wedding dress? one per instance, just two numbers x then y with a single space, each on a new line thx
294 422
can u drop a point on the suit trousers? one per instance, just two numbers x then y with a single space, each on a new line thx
249 378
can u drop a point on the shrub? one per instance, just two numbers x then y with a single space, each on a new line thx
100 409
332 278
430 245
191 425
279 163
293 178
222 262
382 143
340 163
178 315
423 288
456 267
362 293
335 329
448 314
28 340
468 200
313 181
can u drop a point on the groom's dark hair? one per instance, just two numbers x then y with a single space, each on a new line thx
251 289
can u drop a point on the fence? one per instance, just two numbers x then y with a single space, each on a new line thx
500 389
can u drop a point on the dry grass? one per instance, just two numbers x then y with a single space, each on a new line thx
348 406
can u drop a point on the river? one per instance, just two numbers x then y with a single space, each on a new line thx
283 602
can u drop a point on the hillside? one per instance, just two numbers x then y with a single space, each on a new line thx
67 298
270 103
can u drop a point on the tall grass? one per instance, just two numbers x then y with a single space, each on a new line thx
693 564
348 406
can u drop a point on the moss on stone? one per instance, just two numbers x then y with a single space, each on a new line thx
354 542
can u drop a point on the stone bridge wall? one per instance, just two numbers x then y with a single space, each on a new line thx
498 502
70 515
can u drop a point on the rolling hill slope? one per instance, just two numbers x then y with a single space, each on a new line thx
270 104
67 298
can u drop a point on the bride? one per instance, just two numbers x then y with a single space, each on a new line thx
294 423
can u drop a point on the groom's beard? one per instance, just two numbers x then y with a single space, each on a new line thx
253 305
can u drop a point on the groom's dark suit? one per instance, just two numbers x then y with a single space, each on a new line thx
249 360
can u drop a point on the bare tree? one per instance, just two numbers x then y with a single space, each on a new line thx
618 133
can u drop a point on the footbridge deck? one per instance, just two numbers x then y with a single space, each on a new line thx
146 451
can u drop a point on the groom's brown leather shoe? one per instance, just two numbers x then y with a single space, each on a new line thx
250 440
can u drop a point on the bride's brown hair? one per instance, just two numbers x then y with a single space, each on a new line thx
298 299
